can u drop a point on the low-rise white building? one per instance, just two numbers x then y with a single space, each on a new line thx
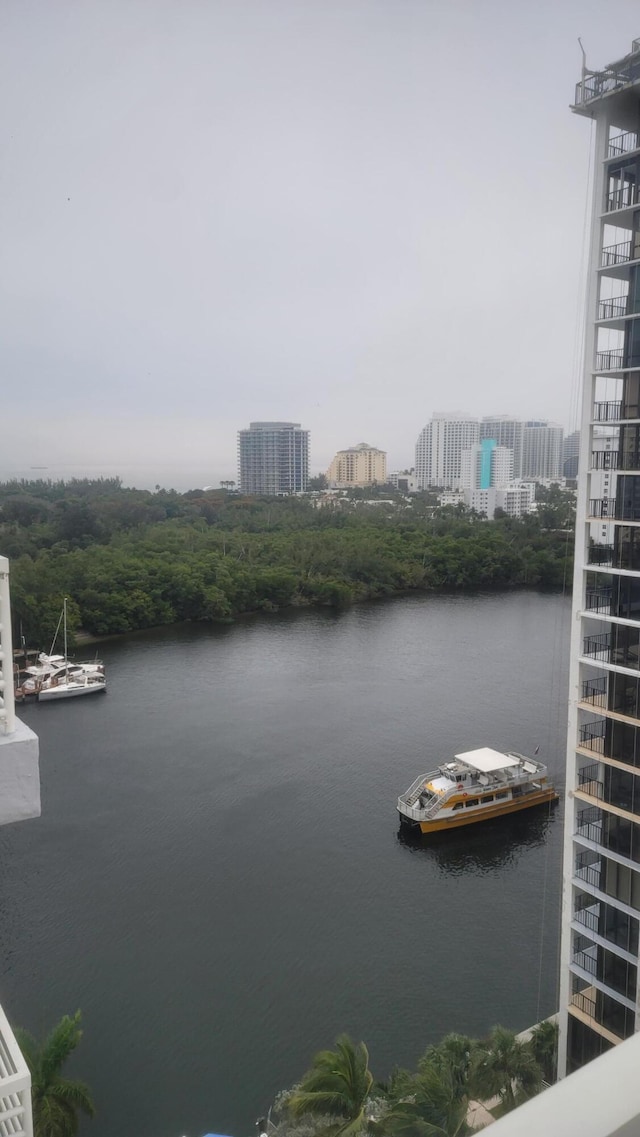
515 499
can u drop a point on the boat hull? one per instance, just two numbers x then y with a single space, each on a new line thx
71 692
514 805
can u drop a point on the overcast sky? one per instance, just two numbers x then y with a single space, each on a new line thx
345 213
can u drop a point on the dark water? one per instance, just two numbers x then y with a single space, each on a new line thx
217 879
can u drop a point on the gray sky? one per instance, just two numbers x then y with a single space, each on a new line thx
347 213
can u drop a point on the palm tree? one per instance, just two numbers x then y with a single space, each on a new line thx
455 1053
506 1068
57 1102
543 1044
433 1105
336 1087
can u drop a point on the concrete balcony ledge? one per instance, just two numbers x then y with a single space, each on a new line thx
600 1100
19 775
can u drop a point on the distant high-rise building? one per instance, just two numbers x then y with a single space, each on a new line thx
507 431
570 451
440 447
360 465
542 450
486 466
273 458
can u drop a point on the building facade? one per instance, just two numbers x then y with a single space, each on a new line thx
599 992
19 800
507 431
486 466
360 465
542 450
570 455
440 447
273 458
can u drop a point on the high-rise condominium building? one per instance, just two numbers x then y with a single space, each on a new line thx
486 466
273 458
599 994
360 465
507 432
440 447
570 454
542 450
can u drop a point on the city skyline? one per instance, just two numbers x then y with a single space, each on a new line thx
223 231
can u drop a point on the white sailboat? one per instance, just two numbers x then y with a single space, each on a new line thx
54 677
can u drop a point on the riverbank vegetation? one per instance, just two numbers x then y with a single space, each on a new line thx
131 559
443 1097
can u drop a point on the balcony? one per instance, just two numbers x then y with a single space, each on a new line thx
607 412
612 360
594 691
613 308
587 962
622 197
589 825
589 783
604 459
15 1086
616 254
602 507
598 599
589 867
602 555
599 647
622 144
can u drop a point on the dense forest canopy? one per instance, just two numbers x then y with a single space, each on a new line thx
131 559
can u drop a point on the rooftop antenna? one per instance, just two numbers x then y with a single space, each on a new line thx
584 60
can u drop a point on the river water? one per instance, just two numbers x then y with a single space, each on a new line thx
218 879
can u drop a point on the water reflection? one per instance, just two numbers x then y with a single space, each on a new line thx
484 847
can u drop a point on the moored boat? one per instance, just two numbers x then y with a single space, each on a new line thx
477 785
57 677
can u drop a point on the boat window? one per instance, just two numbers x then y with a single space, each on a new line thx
472 801
501 795
458 805
489 797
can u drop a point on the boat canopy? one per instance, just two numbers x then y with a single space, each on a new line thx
486 760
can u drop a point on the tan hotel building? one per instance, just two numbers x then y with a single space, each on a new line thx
360 465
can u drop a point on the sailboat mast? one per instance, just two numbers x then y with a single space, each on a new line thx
65 631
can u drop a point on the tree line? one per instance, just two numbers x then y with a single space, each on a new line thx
130 559
340 1096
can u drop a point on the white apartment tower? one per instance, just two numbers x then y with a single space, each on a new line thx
273 458
440 447
599 992
542 448
507 432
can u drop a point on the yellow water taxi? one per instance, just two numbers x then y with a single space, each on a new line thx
476 786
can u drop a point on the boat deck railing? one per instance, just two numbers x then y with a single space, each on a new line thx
510 776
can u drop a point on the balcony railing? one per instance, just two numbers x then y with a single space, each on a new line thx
616 254
613 307
588 917
591 737
588 870
611 360
604 459
607 411
602 507
598 599
622 143
589 824
598 646
594 691
622 197
584 1003
600 555
589 782
15 1085
586 962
